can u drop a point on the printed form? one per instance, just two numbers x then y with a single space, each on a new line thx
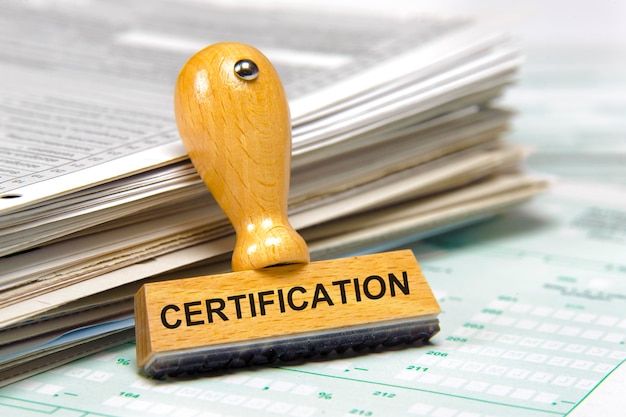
533 324
81 107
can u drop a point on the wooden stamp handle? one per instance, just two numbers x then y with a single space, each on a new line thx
233 118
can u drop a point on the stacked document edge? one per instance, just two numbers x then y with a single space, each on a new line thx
398 162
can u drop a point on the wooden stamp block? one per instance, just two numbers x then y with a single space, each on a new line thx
234 120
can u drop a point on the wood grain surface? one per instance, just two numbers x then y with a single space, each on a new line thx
284 300
236 127
238 135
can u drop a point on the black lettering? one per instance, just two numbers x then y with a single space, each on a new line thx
342 288
236 299
357 290
366 287
263 302
281 301
319 288
252 306
290 299
394 281
164 319
210 310
189 313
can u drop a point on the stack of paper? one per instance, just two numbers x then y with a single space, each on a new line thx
394 137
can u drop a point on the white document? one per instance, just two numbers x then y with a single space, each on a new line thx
55 274
96 189
81 107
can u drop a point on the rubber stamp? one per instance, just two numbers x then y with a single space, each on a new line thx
233 118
